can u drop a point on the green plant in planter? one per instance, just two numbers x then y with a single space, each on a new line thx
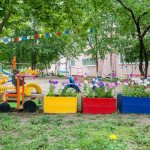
68 93
103 92
63 93
51 91
135 91
87 91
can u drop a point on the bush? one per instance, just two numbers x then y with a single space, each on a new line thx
97 92
109 79
60 75
63 93
135 91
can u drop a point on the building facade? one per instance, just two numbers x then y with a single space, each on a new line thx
86 65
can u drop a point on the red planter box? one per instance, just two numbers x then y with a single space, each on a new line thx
99 105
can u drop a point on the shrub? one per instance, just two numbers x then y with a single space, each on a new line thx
63 93
90 90
135 91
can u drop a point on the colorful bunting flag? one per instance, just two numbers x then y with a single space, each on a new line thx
91 30
58 33
28 37
20 38
47 35
11 39
67 32
5 40
32 37
36 36
37 42
40 35
24 38
16 39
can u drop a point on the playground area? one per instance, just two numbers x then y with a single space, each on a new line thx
43 82
85 129
74 75
22 130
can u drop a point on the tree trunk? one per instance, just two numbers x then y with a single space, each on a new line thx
33 66
55 67
33 61
58 68
2 24
146 68
111 65
69 66
96 66
66 66
143 57
146 62
46 69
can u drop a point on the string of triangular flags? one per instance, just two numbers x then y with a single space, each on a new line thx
35 36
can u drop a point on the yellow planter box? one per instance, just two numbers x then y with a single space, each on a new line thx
60 104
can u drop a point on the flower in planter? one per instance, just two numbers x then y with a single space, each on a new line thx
146 82
137 81
52 88
119 82
85 82
69 92
79 84
65 83
53 82
96 82
93 90
125 83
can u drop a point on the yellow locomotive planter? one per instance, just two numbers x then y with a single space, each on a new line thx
60 104
65 102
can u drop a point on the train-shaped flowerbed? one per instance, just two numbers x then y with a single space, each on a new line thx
96 98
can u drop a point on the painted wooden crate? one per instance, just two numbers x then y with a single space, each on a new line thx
99 105
60 104
138 105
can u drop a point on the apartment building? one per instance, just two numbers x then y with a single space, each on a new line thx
86 65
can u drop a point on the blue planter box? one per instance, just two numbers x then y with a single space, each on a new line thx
138 105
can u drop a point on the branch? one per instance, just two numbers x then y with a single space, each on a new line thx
90 44
127 23
145 31
133 17
125 7
145 13
2 24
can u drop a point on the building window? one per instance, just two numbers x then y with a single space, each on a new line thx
122 59
72 63
89 62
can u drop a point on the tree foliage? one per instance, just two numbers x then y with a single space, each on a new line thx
119 26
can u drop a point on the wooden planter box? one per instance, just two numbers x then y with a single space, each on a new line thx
60 104
138 105
99 105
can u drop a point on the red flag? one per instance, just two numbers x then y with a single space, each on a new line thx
16 39
36 36
58 33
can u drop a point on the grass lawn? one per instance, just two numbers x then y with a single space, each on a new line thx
23 131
